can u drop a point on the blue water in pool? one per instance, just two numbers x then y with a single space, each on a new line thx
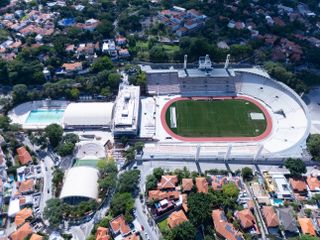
45 116
278 201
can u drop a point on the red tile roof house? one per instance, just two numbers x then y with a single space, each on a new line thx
247 221
271 219
187 184
202 185
176 218
223 227
102 233
24 156
299 187
119 225
218 181
168 182
27 186
313 183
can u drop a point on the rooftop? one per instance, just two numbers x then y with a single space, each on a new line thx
176 218
202 184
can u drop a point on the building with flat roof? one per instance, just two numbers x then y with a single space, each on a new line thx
282 190
126 110
80 184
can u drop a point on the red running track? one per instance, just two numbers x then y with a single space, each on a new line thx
262 136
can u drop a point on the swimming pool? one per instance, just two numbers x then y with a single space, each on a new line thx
45 116
277 201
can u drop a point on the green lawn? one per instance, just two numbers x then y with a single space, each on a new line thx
86 162
217 118
163 225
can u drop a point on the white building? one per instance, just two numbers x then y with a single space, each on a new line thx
84 115
126 111
282 186
80 184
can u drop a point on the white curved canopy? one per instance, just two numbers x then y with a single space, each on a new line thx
88 114
81 182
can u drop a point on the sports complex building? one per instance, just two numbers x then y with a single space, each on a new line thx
191 113
221 113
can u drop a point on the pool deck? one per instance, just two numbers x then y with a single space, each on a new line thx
20 113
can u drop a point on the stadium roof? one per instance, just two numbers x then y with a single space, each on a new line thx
88 114
81 182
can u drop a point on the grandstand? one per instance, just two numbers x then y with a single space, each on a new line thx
289 117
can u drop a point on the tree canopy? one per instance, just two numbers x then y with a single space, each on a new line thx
54 133
296 166
313 144
247 173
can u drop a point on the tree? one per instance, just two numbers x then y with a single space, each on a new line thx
19 93
230 190
71 138
313 144
184 231
65 149
295 166
122 203
100 64
54 132
74 93
4 123
128 181
247 173
53 212
57 180
200 207
158 172
151 182
114 80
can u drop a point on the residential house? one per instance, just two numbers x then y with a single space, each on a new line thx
202 185
247 221
109 47
176 218
299 187
168 182
119 226
22 215
313 183
271 219
187 184
102 234
21 233
123 53
158 195
71 68
282 189
288 222
26 186
307 226
24 156
120 41
223 227
36 237
218 181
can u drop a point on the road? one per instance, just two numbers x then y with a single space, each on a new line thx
46 168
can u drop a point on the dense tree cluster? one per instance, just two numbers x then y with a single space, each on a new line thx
313 144
297 167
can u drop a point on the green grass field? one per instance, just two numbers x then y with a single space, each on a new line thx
217 118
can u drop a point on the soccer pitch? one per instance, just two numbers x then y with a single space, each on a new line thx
215 118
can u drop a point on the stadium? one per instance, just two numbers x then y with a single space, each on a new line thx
221 113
